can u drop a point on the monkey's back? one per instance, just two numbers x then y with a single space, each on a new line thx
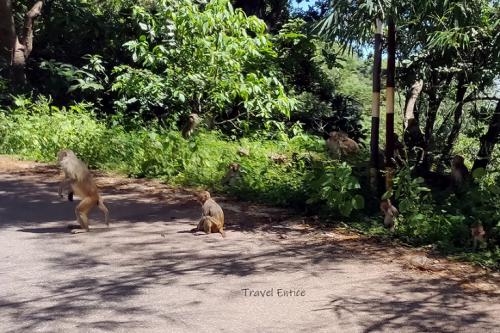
83 184
211 208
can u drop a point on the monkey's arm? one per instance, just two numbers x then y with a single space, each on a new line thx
65 184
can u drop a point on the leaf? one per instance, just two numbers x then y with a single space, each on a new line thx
479 173
358 201
182 98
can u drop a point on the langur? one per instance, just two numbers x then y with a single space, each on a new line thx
212 218
390 213
77 177
339 144
459 173
192 123
233 174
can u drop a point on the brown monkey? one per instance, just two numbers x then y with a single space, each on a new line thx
78 177
477 232
243 152
278 158
212 218
232 175
390 213
459 173
339 144
193 121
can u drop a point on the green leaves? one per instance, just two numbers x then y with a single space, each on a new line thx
336 186
215 57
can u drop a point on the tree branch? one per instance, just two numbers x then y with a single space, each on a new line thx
27 38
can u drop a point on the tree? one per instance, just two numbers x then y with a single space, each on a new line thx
350 23
488 141
273 12
16 50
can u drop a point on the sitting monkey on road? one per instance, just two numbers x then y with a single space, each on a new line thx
212 218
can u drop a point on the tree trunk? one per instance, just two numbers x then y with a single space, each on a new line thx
412 135
7 31
416 89
389 121
488 141
457 117
17 50
374 141
436 97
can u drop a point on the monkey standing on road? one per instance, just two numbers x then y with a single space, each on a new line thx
78 177
212 218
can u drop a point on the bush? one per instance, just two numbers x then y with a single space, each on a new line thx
37 131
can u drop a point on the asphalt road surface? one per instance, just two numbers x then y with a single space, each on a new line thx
148 273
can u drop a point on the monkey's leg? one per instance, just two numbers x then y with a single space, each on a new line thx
207 224
104 209
81 212
218 227
199 227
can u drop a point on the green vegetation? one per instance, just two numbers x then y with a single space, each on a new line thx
116 80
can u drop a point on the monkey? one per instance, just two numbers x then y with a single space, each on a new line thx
192 123
212 218
390 213
339 144
278 158
478 234
243 152
77 176
233 174
459 173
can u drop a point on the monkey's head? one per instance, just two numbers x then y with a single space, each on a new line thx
234 167
338 136
193 118
63 153
384 205
457 161
334 135
202 196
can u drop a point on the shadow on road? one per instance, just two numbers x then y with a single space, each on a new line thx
112 273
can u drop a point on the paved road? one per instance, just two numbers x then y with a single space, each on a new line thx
148 274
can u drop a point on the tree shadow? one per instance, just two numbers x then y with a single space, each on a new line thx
117 270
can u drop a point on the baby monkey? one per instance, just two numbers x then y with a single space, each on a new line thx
77 177
212 218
